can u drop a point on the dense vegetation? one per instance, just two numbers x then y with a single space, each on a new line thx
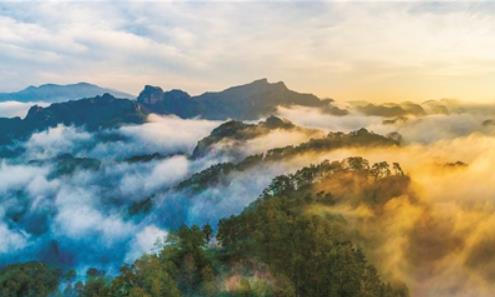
275 247
237 131
333 140
313 251
28 280
95 113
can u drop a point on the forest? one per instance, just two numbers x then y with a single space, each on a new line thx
275 247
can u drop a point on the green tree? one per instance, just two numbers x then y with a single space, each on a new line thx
31 279
146 277
208 232
96 284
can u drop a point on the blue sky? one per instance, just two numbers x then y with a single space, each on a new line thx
345 50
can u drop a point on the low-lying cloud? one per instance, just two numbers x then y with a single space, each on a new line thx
414 129
437 236
11 109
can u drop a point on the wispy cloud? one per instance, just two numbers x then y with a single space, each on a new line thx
10 109
347 50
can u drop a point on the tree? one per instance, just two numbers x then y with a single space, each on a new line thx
147 277
358 163
32 279
312 251
96 285
208 231
380 170
397 169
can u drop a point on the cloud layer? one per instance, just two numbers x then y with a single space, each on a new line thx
100 207
349 51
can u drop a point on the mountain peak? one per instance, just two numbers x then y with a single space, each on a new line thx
149 88
175 101
85 84
261 81
274 122
265 82
150 95
51 92
107 96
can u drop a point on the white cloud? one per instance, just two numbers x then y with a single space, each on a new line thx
10 109
11 240
421 129
348 50
156 175
169 133
145 242
17 176
61 139
79 216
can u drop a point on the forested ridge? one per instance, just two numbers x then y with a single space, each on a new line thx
275 247
333 140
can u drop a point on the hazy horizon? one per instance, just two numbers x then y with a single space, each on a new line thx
380 52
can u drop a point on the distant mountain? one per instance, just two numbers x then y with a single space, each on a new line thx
93 113
58 93
390 109
332 141
403 109
245 102
176 102
231 135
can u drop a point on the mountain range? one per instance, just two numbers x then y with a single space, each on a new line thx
245 102
96 113
58 93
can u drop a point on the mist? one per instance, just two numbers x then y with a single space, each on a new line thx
11 109
437 235
107 210
76 199
425 129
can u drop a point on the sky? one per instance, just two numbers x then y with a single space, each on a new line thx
376 51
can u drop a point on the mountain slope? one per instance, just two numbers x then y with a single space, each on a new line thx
311 247
231 135
245 102
93 113
57 93
334 140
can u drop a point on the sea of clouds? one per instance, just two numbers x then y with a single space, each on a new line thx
82 219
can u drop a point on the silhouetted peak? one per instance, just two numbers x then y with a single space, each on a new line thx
262 81
151 89
150 95
83 83
228 128
362 131
176 94
107 96
274 122
34 110
280 84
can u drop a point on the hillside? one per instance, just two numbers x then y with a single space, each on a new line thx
57 93
334 140
275 247
245 102
95 113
